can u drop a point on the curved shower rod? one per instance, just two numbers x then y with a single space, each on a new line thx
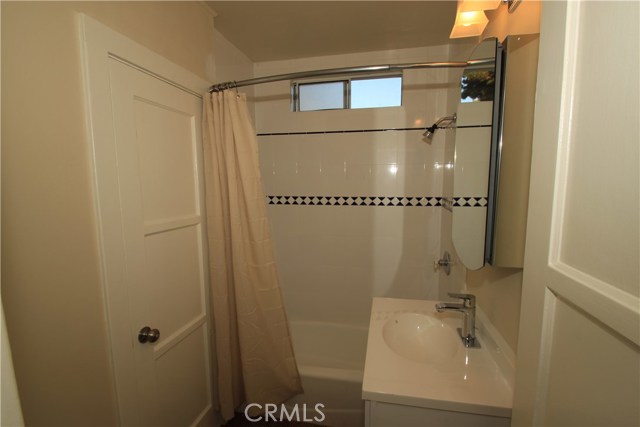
347 70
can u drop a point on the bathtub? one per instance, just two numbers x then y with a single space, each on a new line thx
330 360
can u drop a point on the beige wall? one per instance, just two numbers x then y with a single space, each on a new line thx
499 289
51 275
525 20
498 293
230 63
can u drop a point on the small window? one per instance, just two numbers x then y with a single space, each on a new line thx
377 92
371 92
322 96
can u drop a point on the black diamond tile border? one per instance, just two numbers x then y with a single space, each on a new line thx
402 201
472 202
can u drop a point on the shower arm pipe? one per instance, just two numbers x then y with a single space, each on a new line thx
347 70
450 119
428 132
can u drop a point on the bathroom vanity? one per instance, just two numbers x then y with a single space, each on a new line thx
419 373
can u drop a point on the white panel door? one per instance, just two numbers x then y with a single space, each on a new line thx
144 121
157 136
579 346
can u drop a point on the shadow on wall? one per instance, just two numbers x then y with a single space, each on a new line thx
493 286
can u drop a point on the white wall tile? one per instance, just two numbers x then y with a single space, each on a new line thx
468 235
334 259
471 165
475 113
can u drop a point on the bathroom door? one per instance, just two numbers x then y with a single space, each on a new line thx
147 152
578 351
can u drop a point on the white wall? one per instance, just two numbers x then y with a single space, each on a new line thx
334 259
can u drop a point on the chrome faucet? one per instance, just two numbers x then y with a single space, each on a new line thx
468 309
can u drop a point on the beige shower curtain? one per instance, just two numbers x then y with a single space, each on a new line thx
253 360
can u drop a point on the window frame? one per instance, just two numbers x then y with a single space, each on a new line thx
346 97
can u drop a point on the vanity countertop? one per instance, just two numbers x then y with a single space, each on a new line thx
469 381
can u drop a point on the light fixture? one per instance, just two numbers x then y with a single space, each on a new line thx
469 24
471 5
513 4
470 18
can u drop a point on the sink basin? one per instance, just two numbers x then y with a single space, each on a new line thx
421 338
416 358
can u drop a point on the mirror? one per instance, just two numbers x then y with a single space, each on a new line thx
493 152
477 112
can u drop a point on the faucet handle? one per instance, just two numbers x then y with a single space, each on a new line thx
468 299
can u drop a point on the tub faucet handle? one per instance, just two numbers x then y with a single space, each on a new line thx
445 263
468 300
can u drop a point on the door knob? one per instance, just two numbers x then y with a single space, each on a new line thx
147 334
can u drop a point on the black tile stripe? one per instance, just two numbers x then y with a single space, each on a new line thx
328 132
322 132
402 201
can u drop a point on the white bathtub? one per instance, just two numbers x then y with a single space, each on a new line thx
331 363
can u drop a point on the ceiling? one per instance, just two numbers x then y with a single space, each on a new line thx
277 30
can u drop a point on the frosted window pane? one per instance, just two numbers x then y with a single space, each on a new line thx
321 96
371 93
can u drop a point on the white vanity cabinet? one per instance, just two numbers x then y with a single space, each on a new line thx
420 374
382 414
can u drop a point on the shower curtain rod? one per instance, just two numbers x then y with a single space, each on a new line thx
348 70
